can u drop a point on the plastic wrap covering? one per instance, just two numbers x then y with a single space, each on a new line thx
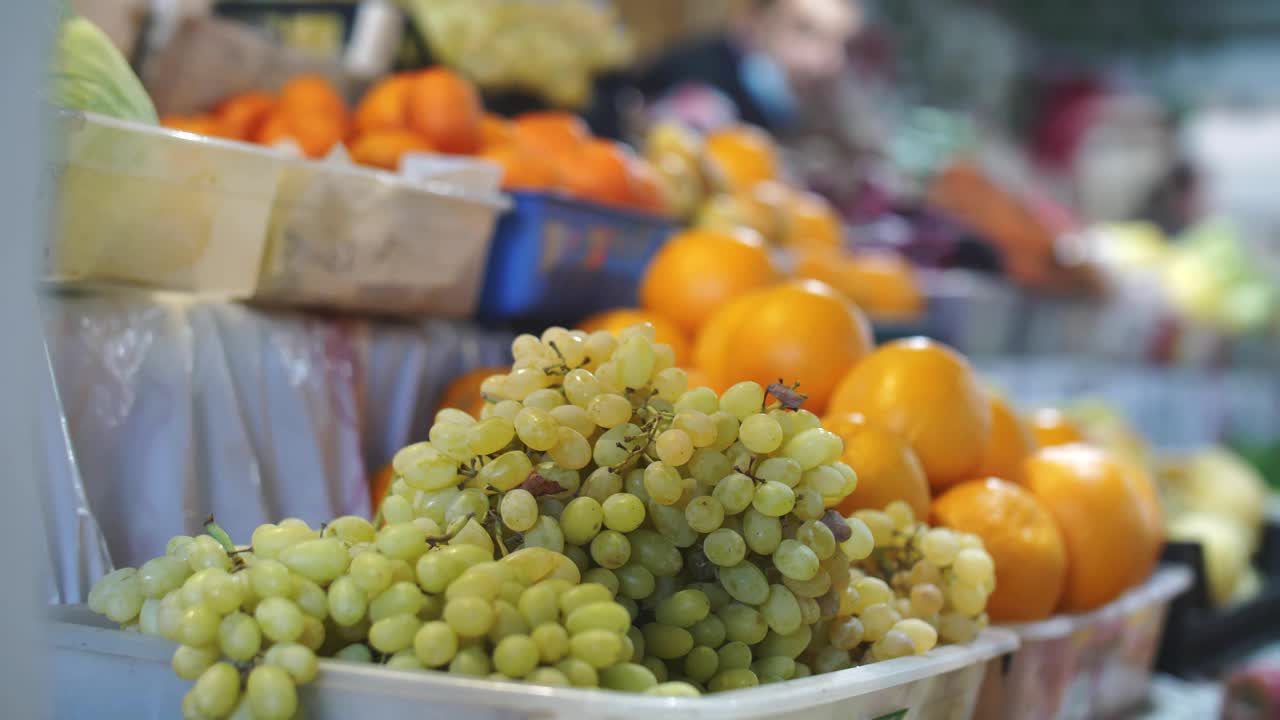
172 410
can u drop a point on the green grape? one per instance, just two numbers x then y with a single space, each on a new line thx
704 514
762 532
633 483
613 447
452 440
601 485
791 645
578 556
581 519
597 648
670 521
298 660
488 437
674 689
515 656
311 599
483 581
780 469
536 428
735 493
724 547
667 642
401 542
795 560
507 621
635 360
435 644
469 617
352 529
571 451
743 399
217 690
601 615
580 386
580 595
745 583
507 409
610 381
546 399
817 537
701 663
271 693
609 410
824 479
504 472
574 418
861 542
433 505
708 466
670 383
923 635
734 655
708 631
726 429
973 566
610 549
683 609
546 533
423 467
810 612
878 523
404 660
579 672
313 633
357 652
845 633
926 600
526 346
453 416
628 677
674 447
781 610
602 576
813 447
396 510
815 587
743 623
623 512
551 507
518 509
239 637
809 504
158 576
279 619
773 499
267 540
656 553
552 641
472 660
698 426
635 581
774 669
523 381
760 433
831 659
663 483
190 662
701 399
733 680
939 546
540 604
547 676
966 599
877 619
149 617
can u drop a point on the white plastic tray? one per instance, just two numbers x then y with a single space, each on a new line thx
108 674
1092 665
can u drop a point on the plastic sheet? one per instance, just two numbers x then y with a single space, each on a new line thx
171 410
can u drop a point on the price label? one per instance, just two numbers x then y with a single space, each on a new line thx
897 715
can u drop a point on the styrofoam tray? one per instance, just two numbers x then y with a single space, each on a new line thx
1091 665
110 674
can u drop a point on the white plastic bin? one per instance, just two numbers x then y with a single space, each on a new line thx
360 239
1093 665
108 674
145 206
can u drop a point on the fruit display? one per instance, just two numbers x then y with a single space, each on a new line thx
90 74
551 49
600 524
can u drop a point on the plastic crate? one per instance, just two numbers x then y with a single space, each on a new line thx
117 674
1092 665
148 207
555 259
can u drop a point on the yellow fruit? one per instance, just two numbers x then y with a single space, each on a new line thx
887 467
697 271
1010 444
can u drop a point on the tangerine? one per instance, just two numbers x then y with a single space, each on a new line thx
1099 511
697 271
384 148
463 392
615 321
925 392
740 157
385 106
495 131
446 109
521 169
1022 537
887 467
551 132
881 283
243 114
1051 426
809 221
312 94
316 134
647 191
380 485
801 332
600 170
206 125
1010 444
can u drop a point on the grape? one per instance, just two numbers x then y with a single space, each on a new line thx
205 553
743 623
610 549
780 469
724 547
923 636
762 532
404 660
670 521
878 523
818 538
814 447
861 542
635 360
472 660
773 499
825 480
519 510
597 648
239 637
469 617
735 493
633 483
708 631
973 566
506 409
733 680
271 693
701 399
609 410
698 426
760 433
299 661
671 383
552 641
701 663
526 346
795 560
872 590
581 519
536 428
812 588
425 468
726 430
197 625
774 669
190 662
546 399
878 619
574 418
894 644
966 599
683 609
160 575
504 472
846 633
674 447
546 533
831 659
355 653
789 645
663 483
612 447
600 615
809 609
515 656
734 655
704 514
581 595
572 451
667 642
623 512
601 484
217 690
939 546
743 399
628 677
393 634
926 600
405 541
708 466
311 599
635 581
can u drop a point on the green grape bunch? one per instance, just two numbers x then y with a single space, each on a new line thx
600 525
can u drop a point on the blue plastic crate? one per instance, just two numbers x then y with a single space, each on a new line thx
556 260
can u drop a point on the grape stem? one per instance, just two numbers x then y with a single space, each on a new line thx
216 532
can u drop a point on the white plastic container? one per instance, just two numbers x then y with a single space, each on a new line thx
1093 665
159 209
107 674
354 238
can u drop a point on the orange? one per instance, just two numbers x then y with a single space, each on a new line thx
1010 443
383 148
925 392
245 113
887 467
445 108
1022 537
198 124
880 283
809 221
463 392
801 332
316 134
1051 426
551 132
495 131
600 170
380 485
697 271
697 378
521 169
1099 511
740 157
647 192
615 321
385 106
1152 511
312 94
